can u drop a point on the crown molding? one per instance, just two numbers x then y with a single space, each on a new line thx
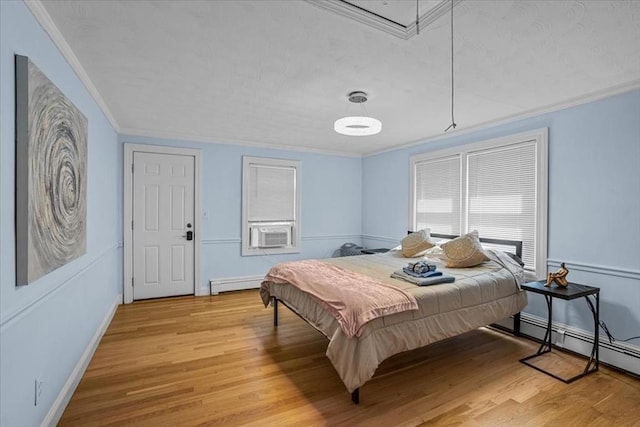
572 102
44 19
405 32
135 132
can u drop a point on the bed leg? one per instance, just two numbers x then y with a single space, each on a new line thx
274 303
355 396
516 324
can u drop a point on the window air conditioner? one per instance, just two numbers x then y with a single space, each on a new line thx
271 236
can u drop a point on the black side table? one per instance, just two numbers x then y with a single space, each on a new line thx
572 291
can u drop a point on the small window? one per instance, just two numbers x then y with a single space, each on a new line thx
270 206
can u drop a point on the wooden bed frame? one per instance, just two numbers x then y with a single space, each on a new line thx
517 245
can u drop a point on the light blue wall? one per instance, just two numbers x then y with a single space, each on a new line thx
46 326
594 211
594 202
331 205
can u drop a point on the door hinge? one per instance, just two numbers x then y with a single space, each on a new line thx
132 282
131 167
132 225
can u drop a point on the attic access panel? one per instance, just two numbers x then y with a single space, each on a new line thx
396 17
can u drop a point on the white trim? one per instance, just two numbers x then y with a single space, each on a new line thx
542 197
597 269
333 237
231 141
129 149
44 19
540 137
573 102
16 314
393 242
64 396
234 284
231 241
221 241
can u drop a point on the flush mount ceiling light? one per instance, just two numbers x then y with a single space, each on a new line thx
358 125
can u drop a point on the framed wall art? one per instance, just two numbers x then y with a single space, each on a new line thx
51 175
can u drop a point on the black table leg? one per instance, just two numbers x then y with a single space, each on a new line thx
274 303
545 346
355 396
595 351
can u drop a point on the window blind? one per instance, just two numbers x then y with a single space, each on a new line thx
501 188
437 187
272 193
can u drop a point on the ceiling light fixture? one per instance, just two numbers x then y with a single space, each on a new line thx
358 125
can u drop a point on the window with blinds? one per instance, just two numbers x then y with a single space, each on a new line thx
501 188
497 187
438 204
270 206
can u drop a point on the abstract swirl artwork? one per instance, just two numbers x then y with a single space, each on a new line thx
51 176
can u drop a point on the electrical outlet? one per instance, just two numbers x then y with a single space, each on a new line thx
37 391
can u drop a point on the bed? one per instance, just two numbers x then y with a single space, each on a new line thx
480 296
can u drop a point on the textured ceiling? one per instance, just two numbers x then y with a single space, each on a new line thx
278 72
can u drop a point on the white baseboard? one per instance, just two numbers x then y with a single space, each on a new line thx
63 398
234 284
618 354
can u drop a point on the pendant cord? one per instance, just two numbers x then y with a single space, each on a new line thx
453 122
417 19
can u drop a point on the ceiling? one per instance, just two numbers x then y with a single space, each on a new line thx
277 73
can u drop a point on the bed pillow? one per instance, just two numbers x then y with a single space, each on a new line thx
464 251
416 243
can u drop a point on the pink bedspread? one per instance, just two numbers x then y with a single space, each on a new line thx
352 298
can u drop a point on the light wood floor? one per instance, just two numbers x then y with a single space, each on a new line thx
219 361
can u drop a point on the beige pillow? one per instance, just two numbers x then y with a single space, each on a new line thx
416 243
464 251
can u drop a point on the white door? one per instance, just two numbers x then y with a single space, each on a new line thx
163 217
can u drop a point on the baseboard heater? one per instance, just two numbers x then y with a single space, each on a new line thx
619 355
227 284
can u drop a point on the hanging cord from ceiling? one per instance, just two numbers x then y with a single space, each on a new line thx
453 122
417 19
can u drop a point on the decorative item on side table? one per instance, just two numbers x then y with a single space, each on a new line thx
569 292
559 277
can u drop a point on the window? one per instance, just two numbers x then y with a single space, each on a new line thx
270 206
497 187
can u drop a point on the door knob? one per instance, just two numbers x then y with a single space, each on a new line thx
189 235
